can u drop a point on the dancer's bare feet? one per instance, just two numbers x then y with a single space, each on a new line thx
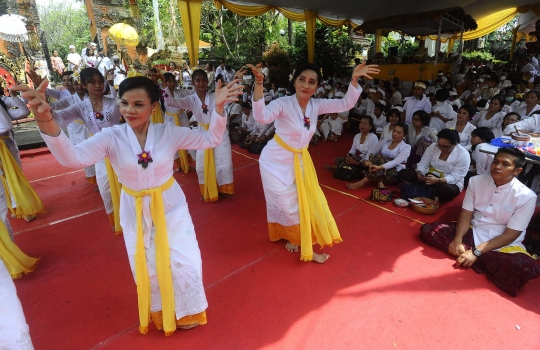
320 258
293 248
189 326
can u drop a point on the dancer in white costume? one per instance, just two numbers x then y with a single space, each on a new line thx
97 112
294 201
202 103
158 231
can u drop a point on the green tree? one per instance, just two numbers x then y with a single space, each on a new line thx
334 48
171 23
64 24
278 62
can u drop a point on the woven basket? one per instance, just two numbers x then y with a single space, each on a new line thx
428 207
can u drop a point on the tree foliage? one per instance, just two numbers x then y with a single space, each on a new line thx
171 23
239 39
64 24
334 48
278 63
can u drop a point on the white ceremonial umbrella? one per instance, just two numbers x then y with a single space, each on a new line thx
13 28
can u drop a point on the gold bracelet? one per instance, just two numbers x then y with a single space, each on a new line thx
44 121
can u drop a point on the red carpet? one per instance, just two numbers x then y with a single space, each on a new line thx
381 288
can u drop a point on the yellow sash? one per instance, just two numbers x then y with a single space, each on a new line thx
157 115
162 259
17 263
15 184
313 208
210 182
182 154
115 195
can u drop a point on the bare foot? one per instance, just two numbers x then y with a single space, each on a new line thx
330 167
189 326
357 185
380 185
30 218
177 170
320 258
293 248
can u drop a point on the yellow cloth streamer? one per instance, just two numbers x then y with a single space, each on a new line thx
163 268
182 154
313 208
17 186
210 192
157 115
115 195
17 263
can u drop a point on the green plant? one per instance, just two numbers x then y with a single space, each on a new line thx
478 55
278 62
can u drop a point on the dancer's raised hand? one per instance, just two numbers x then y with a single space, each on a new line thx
364 70
227 93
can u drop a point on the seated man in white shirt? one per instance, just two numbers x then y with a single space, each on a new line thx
416 102
332 126
499 208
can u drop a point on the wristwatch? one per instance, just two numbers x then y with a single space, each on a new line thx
477 252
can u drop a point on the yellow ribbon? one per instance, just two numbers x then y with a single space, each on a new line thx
314 212
163 268
210 191
17 185
115 187
182 154
157 115
17 263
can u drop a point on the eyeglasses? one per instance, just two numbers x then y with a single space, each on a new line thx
443 148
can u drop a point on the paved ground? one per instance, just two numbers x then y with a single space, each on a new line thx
27 135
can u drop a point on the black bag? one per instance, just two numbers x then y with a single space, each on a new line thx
413 190
256 147
346 172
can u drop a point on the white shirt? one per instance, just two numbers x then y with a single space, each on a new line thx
103 64
426 131
496 208
454 169
396 99
510 108
466 94
75 58
379 122
289 123
387 132
234 109
446 111
12 113
522 111
90 61
494 123
412 104
248 122
531 124
220 70
482 160
266 73
363 150
465 135
119 77
398 156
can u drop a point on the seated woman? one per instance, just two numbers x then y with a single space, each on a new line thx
510 102
332 126
420 137
462 125
442 169
239 133
386 160
532 98
392 118
530 125
491 227
509 119
492 117
364 143
481 160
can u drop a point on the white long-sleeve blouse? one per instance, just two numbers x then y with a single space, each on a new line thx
454 169
398 155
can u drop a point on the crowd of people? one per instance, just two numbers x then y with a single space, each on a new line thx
426 136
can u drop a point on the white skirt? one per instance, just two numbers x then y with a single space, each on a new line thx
281 200
223 160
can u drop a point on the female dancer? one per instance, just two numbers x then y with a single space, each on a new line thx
294 201
214 166
159 234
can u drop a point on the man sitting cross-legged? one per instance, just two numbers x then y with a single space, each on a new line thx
498 207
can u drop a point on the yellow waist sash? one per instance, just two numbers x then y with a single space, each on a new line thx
27 202
313 208
114 185
182 154
17 263
163 268
210 182
157 115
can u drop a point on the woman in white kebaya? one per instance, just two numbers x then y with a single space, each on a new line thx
294 201
159 235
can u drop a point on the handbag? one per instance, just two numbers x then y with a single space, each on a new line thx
381 195
346 172
413 190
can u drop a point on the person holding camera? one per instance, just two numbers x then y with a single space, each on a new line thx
295 202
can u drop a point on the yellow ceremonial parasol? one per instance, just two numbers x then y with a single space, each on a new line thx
124 34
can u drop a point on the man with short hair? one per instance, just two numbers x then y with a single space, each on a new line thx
416 102
490 230
221 68
83 51
103 63
73 58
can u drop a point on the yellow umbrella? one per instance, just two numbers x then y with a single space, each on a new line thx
124 34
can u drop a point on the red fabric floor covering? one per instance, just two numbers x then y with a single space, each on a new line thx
381 288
